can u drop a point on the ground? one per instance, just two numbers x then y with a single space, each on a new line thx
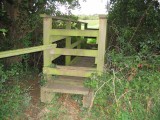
39 111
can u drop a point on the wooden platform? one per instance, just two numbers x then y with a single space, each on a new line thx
65 84
69 84
72 84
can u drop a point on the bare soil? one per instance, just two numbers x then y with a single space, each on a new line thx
37 110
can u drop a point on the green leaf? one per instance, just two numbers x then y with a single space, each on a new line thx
3 30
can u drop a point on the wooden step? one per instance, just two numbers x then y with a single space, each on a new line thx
69 71
66 84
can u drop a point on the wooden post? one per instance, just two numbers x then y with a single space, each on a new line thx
79 27
102 42
88 99
85 28
47 26
68 43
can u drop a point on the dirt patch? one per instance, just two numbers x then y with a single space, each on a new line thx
68 109
32 85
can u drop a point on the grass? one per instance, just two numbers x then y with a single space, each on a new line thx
92 23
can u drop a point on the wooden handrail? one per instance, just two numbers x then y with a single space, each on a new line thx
61 18
11 53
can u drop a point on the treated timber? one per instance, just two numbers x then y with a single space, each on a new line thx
72 46
54 57
69 71
102 43
47 25
57 38
10 53
74 52
61 18
66 32
68 43
60 85
76 43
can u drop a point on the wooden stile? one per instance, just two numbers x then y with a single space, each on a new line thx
74 84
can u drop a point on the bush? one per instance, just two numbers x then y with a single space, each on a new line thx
13 100
128 90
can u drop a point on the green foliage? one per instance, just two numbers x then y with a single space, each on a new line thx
134 24
92 23
128 90
91 40
13 99
56 109
43 79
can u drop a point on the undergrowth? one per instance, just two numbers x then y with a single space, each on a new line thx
13 99
127 90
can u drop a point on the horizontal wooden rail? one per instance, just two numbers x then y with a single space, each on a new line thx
92 29
57 38
74 52
10 53
76 43
61 18
72 46
67 32
69 71
54 57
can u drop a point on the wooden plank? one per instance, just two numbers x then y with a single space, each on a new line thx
68 44
64 32
66 84
92 29
69 71
74 52
47 26
60 18
61 88
76 43
79 26
75 68
88 99
102 43
72 46
10 53
57 38
53 57
69 80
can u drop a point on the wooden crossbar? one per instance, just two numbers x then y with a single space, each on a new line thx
76 43
10 53
57 38
61 18
74 52
67 32
69 71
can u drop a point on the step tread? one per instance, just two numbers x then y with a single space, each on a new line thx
75 68
69 71
62 85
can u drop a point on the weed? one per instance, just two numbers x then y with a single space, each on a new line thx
13 100
128 91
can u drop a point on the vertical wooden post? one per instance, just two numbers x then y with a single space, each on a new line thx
102 38
47 26
68 43
79 27
85 28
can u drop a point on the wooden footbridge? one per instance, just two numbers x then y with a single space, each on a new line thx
79 62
